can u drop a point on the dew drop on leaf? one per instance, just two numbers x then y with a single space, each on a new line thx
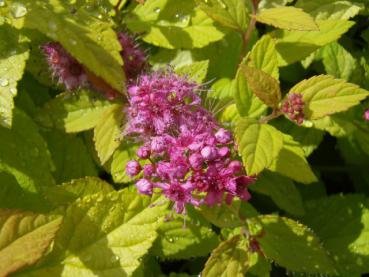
157 10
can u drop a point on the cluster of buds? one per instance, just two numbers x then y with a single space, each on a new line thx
70 73
293 107
366 115
184 152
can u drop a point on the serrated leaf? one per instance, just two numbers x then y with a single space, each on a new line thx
230 258
265 87
73 112
293 46
91 41
291 162
282 191
108 132
24 154
70 156
117 164
289 18
14 54
267 4
24 238
230 13
258 144
284 238
342 222
330 9
263 56
196 71
336 125
228 216
163 26
184 237
324 95
68 192
338 62
113 232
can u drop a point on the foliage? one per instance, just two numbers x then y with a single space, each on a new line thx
290 81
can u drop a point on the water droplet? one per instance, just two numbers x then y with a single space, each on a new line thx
157 10
18 10
13 91
170 240
2 3
4 82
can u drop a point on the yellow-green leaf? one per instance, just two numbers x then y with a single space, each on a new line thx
289 18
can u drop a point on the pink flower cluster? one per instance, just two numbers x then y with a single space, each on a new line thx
69 72
184 151
293 107
366 115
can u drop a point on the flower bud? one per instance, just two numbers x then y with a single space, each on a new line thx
235 166
143 152
224 151
133 168
148 170
144 186
366 115
209 153
223 136
196 161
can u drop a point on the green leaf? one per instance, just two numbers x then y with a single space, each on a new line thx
184 237
342 222
336 125
69 192
24 154
228 216
14 54
265 87
292 163
91 41
282 191
196 71
108 132
330 9
117 164
230 13
112 233
289 18
258 144
324 95
163 26
293 246
74 112
70 156
293 46
267 4
24 238
263 56
230 258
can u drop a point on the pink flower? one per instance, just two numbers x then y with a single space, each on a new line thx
293 107
133 168
144 186
366 115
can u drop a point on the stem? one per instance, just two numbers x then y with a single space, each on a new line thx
116 8
247 36
265 119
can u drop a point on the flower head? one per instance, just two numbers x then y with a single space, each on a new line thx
293 107
366 115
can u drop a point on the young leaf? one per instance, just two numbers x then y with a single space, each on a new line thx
258 144
230 13
14 54
68 192
289 18
108 132
263 85
74 112
184 237
324 95
263 56
293 246
113 232
292 163
230 258
91 41
293 46
196 71
163 26
70 156
331 9
342 222
282 191
24 238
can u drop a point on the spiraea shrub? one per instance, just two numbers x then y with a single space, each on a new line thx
184 138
